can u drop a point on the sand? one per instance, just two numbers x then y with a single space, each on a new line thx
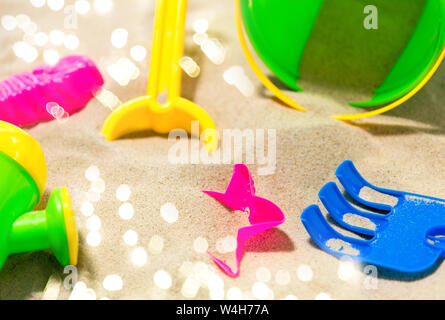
403 149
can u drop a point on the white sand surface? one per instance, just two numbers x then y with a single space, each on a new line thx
403 149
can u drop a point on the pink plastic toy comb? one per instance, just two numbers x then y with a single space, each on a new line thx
70 83
264 214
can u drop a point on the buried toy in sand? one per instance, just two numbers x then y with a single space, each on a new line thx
408 238
23 171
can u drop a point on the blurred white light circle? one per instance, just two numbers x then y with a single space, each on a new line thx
56 37
304 273
94 239
139 257
41 39
113 282
119 37
9 23
138 53
82 6
126 211
22 20
169 212
56 5
131 237
87 209
103 6
37 3
162 279
94 223
123 193
201 26
71 42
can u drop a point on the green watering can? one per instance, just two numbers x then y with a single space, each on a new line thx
23 172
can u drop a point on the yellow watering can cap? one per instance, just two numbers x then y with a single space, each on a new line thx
25 150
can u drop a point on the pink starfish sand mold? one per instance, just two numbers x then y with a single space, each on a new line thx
240 195
70 83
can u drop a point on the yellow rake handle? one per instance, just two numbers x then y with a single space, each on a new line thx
168 48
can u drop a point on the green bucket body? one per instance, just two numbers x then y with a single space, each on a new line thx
326 41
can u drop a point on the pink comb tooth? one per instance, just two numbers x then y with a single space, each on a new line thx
5 108
50 91
6 112
70 83
3 92
17 102
23 100
39 98
263 214
52 94
56 87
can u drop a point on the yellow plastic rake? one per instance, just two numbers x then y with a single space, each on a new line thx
147 113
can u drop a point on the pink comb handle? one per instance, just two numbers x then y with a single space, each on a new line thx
264 214
70 83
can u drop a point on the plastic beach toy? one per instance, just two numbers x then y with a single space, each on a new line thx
70 83
280 34
263 214
150 112
407 238
23 172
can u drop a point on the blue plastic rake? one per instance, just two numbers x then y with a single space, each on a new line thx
410 237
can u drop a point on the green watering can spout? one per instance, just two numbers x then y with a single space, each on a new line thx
23 172
52 228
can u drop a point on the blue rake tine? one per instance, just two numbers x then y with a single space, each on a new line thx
322 233
337 206
353 183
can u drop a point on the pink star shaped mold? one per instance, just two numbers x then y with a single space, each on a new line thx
263 214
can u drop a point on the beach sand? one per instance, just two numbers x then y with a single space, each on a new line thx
403 150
